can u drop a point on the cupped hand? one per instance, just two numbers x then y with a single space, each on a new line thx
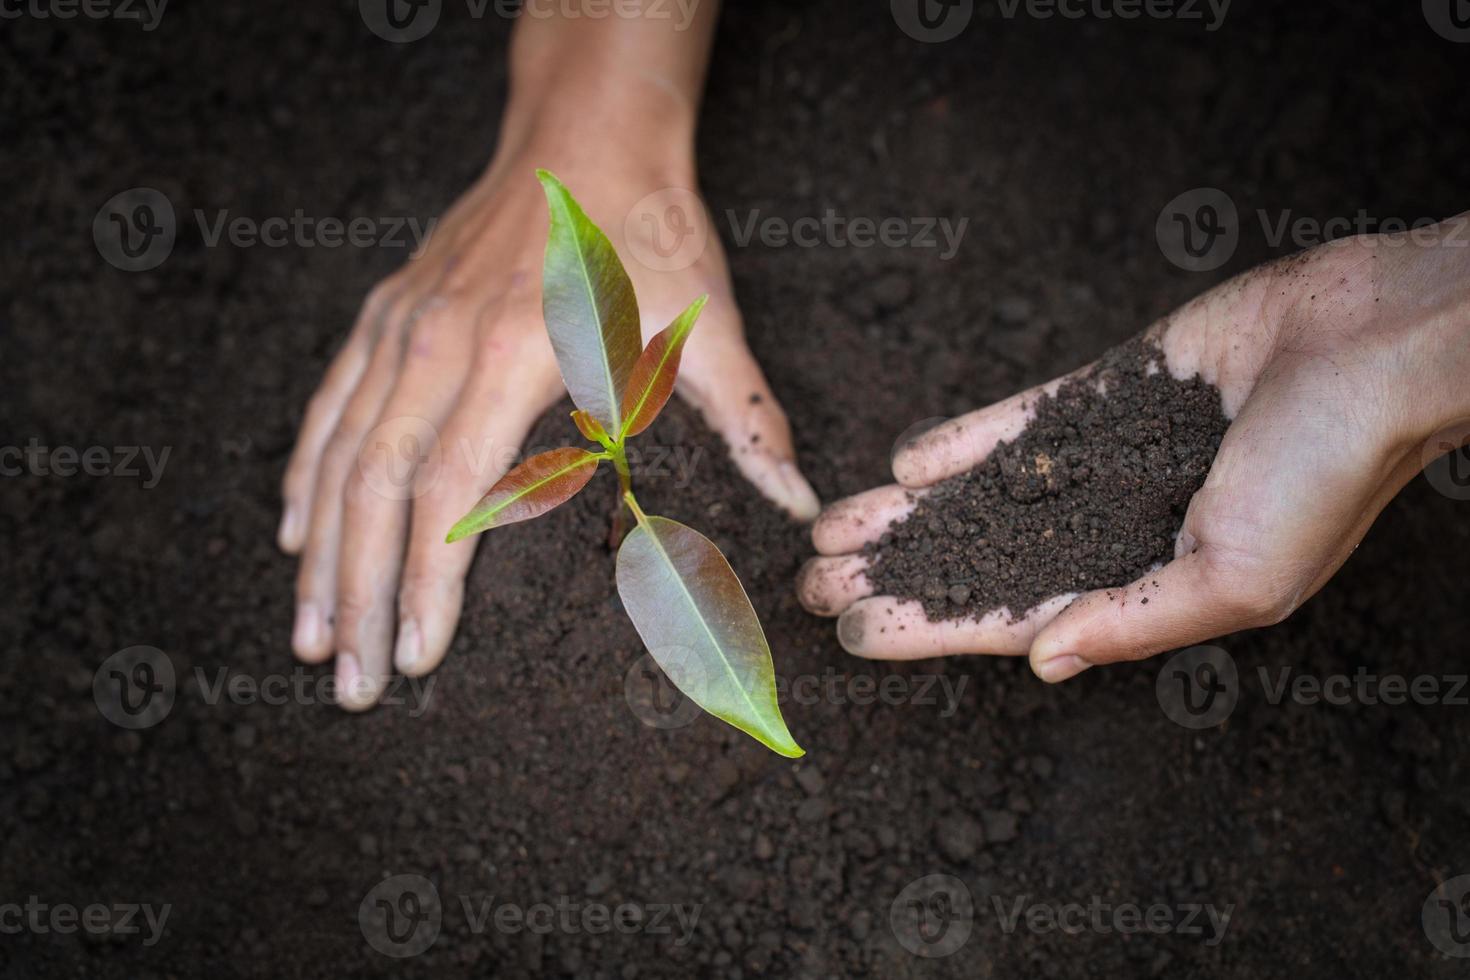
1334 366
444 373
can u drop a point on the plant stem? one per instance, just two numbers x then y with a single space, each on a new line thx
625 493
632 502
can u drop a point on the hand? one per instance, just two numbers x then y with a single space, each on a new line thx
443 375
1334 366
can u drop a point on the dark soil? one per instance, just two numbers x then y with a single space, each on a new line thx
1090 495
529 778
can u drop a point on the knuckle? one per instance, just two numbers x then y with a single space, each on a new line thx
380 295
341 450
1249 592
358 493
353 606
431 330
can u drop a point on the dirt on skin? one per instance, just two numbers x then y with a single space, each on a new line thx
1090 495
524 776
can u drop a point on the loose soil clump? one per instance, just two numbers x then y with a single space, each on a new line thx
1090 495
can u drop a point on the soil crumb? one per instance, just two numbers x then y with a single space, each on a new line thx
1090 495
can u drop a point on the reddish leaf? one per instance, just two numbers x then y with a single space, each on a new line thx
653 376
530 490
589 426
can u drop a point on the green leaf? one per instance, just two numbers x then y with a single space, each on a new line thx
542 482
696 620
589 306
654 374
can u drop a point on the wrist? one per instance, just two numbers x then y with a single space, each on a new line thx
618 122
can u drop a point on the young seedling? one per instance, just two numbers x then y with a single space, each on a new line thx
684 599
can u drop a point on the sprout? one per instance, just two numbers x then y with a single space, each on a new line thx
683 597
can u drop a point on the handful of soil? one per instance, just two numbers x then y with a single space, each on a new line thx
1090 495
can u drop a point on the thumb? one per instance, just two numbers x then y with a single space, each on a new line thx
723 381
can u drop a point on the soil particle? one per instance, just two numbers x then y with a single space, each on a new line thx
1000 826
1090 495
959 836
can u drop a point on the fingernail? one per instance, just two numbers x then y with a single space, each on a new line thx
1061 668
306 634
801 499
851 628
288 535
352 685
408 652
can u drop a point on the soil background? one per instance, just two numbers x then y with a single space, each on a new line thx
529 778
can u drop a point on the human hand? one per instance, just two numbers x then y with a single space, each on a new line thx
450 358
1334 367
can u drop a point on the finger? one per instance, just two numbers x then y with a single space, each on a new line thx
1183 603
481 441
826 586
323 413
316 576
885 628
955 446
398 460
856 521
1210 590
742 408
